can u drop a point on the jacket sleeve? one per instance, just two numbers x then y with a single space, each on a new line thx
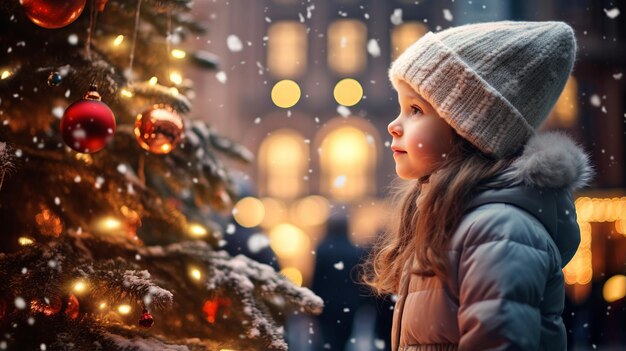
503 269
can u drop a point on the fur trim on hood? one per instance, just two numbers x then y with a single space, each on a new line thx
550 160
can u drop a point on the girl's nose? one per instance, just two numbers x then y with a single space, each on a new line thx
394 128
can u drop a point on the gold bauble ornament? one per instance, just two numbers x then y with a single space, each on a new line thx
159 129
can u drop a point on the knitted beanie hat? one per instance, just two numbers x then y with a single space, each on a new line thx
494 83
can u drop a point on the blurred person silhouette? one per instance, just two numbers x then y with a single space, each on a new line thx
334 280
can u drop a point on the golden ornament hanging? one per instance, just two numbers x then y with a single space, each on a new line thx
159 129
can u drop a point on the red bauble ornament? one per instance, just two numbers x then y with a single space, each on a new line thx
53 13
159 129
211 307
146 319
72 309
88 124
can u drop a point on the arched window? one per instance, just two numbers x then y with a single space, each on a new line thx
346 46
404 35
287 49
283 162
347 163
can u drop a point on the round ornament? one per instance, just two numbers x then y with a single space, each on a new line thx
159 129
88 124
54 79
53 13
146 319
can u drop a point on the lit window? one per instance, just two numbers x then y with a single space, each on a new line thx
347 161
346 46
565 112
404 35
286 49
283 160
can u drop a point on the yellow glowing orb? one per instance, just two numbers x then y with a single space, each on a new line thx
249 212
123 309
118 40
195 273
348 92
179 54
614 288
176 78
197 230
312 210
286 93
80 286
24 240
288 241
275 212
153 81
292 274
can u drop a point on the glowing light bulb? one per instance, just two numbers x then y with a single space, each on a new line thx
195 274
80 286
197 230
179 54
126 93
153 81
24 241
5 75
118 40
176 78
123 309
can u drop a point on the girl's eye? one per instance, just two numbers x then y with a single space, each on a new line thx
416 110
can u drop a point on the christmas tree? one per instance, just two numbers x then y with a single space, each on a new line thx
109 193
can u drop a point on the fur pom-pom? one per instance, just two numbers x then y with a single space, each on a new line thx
553 160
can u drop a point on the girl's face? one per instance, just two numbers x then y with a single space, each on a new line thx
421 138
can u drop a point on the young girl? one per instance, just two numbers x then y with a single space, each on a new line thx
486 221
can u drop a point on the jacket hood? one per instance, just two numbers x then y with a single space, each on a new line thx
541 181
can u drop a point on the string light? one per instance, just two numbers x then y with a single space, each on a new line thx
123 309
118 40
179 54
5 74
79 287
24 241
103 305
195 273
176 78
153 81
126 93
197 230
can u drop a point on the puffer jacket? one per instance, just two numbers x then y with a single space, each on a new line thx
505 287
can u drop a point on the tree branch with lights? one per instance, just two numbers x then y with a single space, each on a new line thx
108 191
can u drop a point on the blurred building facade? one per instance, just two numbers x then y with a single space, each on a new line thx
316 149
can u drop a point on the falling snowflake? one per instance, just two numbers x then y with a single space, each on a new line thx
338 266
396 17
230 229
612 13
122 168
257 120
72 39
20 303
234 43
58 111
447 15
617 76
595 100
258 242
380 344
343 111
373 48
221 76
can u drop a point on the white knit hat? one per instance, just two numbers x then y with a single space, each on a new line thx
495 82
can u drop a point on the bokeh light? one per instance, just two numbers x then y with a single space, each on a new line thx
348 92
614 288
311 210
286 93
249 212
288 241
292 274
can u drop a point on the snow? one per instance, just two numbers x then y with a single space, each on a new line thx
343 111
373 48
380 344
72 39
617 76
122 168
234 43
340 181
447 15
230 229
140 344
20 303
339 265
595 100
396 17
258 242
221 77
612 13
257 120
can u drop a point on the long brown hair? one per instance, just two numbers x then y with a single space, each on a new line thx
421 224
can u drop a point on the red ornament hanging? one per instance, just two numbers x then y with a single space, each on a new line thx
146 319
211 307
88 124
53 13
159 129
72 309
